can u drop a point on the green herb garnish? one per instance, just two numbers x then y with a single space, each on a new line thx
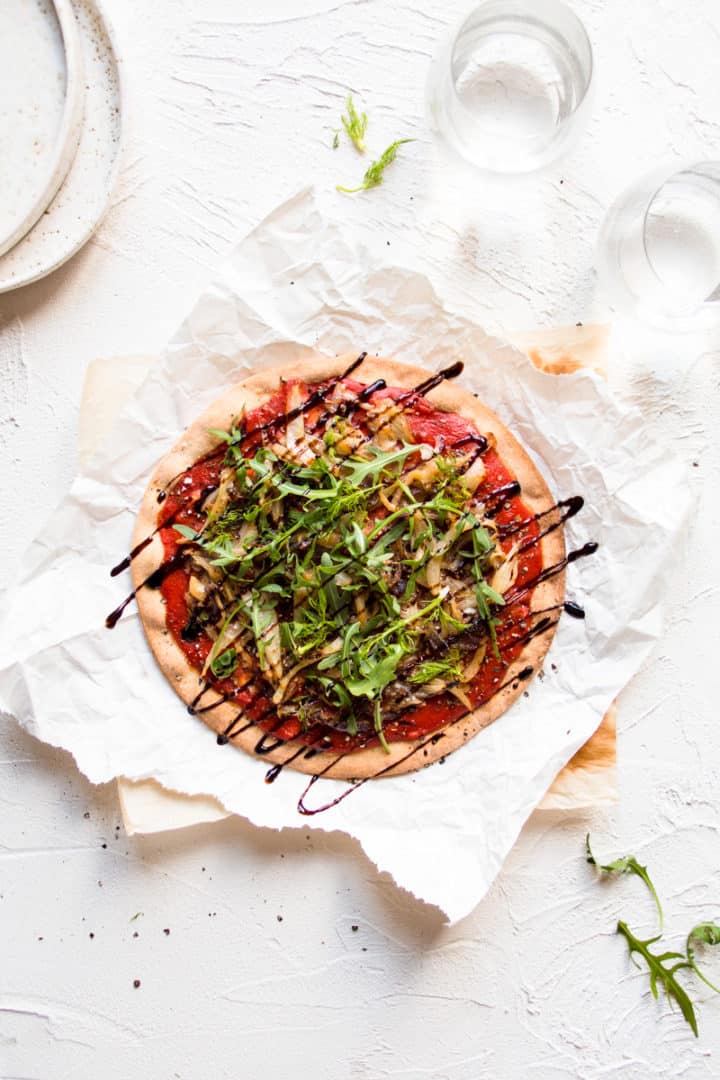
223 665
355 124
322 572
336 139
374 172
662 967
186 532
626 865
448 669
706 933
660 972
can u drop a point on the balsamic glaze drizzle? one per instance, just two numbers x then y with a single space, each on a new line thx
573 610
198 501
124 565
222 700
568 509
494 503
431 740
315 398
550 571
501 492
153 581
541 627
272 774
500 496
263 747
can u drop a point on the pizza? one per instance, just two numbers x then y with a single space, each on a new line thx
349 567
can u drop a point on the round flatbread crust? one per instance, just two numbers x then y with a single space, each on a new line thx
196 441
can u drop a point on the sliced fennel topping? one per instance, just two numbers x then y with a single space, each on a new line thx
350 570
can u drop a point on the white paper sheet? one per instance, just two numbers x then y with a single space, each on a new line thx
297 281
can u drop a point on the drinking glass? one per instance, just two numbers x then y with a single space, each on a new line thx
658 253
508 90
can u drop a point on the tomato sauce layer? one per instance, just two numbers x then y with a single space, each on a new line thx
429 425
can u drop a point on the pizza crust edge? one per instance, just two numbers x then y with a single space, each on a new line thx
196 441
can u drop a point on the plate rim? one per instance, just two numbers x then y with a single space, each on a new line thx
68 131
10 284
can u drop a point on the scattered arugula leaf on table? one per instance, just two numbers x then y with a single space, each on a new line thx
660 973
355 124
661 969
374 172
706 933
626 865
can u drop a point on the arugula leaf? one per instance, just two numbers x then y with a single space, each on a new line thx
288 488
374 173
662 972
232 436
238 609
383 672
377 464
378 724
659 972
261 618
706 933
449 622
627 865
353 631
357 541
186 531
287 639
302 544
491 595
438 669
355 124
224 665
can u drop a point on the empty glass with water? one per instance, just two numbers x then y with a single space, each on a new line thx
508 89
658 253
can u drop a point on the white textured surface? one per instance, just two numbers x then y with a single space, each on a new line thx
230 107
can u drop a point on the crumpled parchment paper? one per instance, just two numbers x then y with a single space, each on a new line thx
297 283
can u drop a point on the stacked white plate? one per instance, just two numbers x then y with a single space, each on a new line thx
60 123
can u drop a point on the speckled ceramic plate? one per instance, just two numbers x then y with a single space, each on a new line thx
74 213
42 91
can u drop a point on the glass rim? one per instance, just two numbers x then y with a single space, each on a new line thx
681 170
625 298
524 9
